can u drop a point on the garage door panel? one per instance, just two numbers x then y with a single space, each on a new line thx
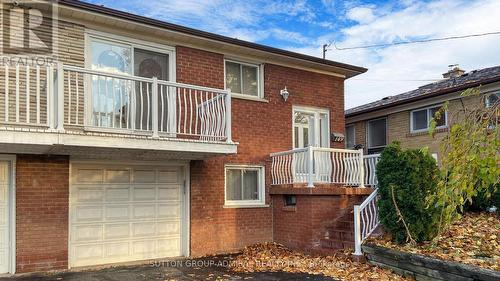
117 193
117 176
147 193
117 231
144 176
118 250
168 247
143 229
87 233
91 213
117 212
89 194
87 175
124 213
170 192
143 211
168 176
170 210
168 228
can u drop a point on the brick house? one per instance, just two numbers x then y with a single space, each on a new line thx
149 140
405 117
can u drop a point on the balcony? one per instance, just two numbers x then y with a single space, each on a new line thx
59 108
318 166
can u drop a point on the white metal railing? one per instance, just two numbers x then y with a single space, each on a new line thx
25 95
371 161
366 220
317 164
74 96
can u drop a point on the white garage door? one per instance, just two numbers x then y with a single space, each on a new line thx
4 216
124 213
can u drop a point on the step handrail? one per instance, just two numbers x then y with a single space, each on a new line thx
366 220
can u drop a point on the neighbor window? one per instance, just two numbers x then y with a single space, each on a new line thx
243 78
244 185
377 133
492 99
350 136
420 119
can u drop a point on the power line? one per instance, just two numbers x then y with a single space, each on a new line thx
397 80
408 42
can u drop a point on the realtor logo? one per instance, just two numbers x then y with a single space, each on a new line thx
28 27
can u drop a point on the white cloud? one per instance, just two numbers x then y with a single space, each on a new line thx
361 14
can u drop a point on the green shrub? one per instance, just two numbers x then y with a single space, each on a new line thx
484 200
409 175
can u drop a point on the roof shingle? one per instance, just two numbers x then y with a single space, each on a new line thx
470 79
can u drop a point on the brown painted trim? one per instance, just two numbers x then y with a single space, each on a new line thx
425 96
320 189
199 33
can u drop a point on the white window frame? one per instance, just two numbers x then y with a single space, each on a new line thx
368 132
429 117
354 129
260 181
316 112
486 103
260 88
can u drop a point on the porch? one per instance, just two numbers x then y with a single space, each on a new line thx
63 109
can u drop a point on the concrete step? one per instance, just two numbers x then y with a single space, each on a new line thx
336 244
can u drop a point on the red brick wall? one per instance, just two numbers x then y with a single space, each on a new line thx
301 227
42 192
260 128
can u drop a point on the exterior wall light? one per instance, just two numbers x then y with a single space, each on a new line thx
284 93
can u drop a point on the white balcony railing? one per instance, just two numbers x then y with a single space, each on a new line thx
371 161
68 96
318 165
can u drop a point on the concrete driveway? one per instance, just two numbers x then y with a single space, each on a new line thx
195 269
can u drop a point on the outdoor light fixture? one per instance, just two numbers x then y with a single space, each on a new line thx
338 137
284 93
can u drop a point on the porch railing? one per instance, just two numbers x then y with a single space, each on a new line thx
320 165
62 96
366 218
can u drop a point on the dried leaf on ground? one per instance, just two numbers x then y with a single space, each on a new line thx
272 257
474 240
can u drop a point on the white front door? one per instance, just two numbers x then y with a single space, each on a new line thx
5 183
310 127
121 213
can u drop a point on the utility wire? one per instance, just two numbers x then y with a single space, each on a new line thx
412 42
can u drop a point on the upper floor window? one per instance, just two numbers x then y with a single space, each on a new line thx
377 133
243 78
350 136
420 119
492 99
244 185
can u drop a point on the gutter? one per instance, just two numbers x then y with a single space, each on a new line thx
207 35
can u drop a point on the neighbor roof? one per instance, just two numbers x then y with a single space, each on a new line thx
207 35
470 79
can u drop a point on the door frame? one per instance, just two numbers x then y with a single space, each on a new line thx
12 210
185 188
316 111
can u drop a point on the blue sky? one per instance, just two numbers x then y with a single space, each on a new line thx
303 26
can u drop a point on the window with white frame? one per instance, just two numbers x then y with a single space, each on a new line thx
243 78
310 127
420 119
377 133
350 136
244 185
492 99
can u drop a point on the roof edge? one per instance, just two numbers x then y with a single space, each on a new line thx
207 35
430 95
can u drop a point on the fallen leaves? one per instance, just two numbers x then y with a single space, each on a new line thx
473 240
271 257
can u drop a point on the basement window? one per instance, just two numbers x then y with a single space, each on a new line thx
244 185
290 200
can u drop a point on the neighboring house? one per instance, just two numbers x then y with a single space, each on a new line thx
405 117
150 140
